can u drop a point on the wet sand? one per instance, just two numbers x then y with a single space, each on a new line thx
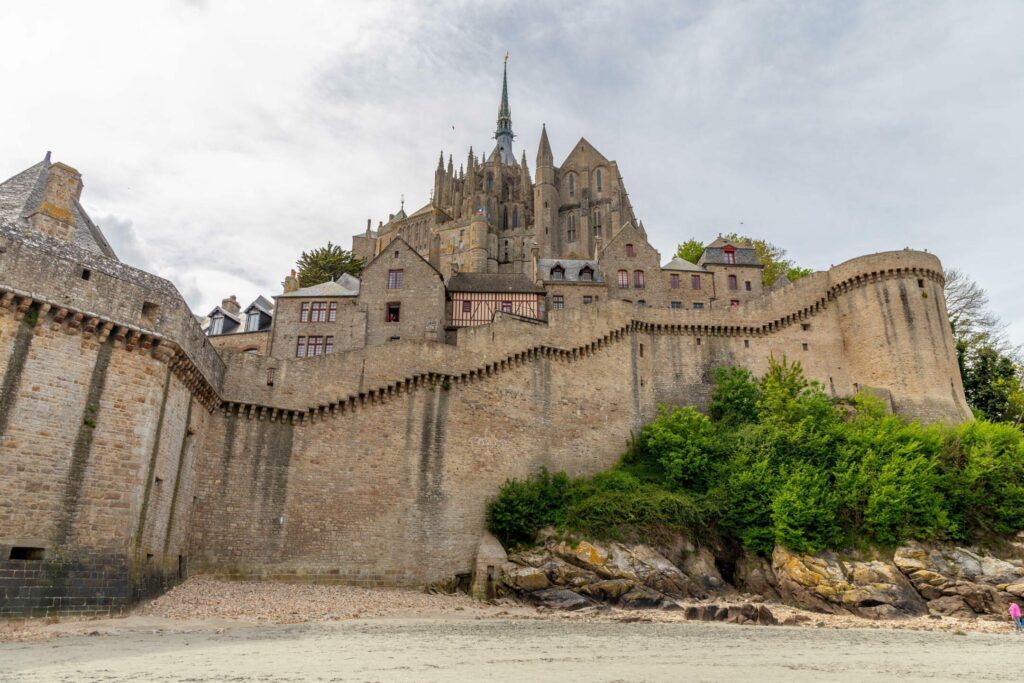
474 647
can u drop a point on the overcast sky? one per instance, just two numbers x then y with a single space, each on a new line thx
217 140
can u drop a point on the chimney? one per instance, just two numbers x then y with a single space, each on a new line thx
231 305
368 223
291 282
55 214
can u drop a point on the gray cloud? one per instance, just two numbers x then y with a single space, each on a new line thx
237 136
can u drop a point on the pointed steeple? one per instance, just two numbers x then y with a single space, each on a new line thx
450 164
544 156
504 134
440 162
524 170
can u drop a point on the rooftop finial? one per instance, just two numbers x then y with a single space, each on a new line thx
403 203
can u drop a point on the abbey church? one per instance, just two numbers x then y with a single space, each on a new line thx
353 431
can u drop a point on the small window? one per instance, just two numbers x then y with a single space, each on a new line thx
638 279
734 303
270 376
571 234
304 313
393 312
506 306
395 278
698 341
588 299
677 304
252 322
729 252
251 350
149 310
572 185
920 281
746 343
332 315
396 254
395 338
300 347
467 306
803 346
586 274
630 251
329 344
182 566
673 280
86 274
599 185
30 554
623 279
747 285
695 282
698 305
805 326
314 346
641 302
557 301
641 350
216 325
558 273
595 225
732 283
318 312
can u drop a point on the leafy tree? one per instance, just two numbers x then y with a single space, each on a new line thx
683 443
805 511
327 263
690 250
734 399
992 382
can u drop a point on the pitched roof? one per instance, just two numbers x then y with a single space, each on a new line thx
572 268
22 194
329 288
263 304
493 282
682 264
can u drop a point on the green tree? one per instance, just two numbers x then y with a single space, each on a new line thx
327 263
992 382
690 250
734 399
805 511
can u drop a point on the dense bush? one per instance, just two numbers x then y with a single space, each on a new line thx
778 461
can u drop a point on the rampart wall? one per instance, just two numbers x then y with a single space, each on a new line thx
131 451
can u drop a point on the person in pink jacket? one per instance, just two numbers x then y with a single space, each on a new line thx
1015 616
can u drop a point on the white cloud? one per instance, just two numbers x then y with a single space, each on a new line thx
220 139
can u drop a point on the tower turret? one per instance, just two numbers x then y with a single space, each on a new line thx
545 200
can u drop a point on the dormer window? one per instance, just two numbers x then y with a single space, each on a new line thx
558 273
252 321
586 274
729 252
216 325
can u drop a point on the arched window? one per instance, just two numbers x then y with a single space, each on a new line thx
504 218
623 279
558 273
515 216
598 180
638 279
586 274
490 182
572 227
572 185
595 225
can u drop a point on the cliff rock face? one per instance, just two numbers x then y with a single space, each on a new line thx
960 582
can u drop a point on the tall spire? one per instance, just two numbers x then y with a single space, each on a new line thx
504 134
544 156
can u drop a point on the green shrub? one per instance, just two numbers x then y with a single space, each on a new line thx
734 399
681 444
523 507
805 511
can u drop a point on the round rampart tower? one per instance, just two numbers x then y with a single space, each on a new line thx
896 333
477 253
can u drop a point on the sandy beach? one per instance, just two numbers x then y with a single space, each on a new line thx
216 631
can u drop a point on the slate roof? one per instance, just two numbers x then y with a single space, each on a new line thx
21 195
493 282
682 264
262 304
572 269
329 288
714 253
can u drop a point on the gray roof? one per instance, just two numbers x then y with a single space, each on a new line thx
329 288
493 282
226 313
572 268
22 194
263 304
714 253
682 264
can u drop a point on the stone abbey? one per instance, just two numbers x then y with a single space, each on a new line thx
353 431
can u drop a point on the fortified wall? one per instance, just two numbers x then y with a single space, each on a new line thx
132 452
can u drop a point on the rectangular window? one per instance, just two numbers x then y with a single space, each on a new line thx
29 554
746 343
805 326
216 326
734 303
332 315
677 304
395 278
730 257
673 280
623 279
588 299
393 312
304 314
695 282
698 341
467 306
747 285
697 305
252 322
300 347
732 283
318 312
328 344
638 279
803 346
557 301
506 306
314 346
630 251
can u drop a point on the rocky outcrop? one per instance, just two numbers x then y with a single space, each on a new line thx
960 582
753 574
827 583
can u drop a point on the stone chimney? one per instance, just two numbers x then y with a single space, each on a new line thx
231 305
55 214
291 282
